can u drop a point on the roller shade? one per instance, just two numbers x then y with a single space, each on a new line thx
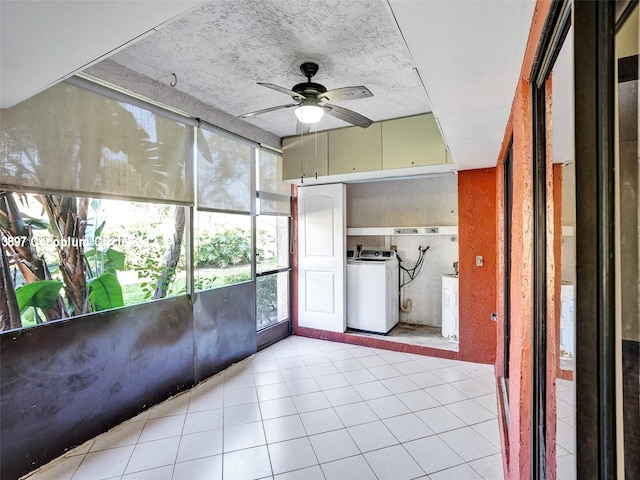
273 193
224 175
70 139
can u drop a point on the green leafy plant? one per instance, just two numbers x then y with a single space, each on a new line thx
102 261
267 301
99 258
203 283
231 247
150 273
105 292
41 294
237 278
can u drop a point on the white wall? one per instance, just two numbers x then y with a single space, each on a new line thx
416 202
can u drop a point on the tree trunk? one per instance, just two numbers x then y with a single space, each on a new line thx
24 254
14 228
68 218
169 271
9 313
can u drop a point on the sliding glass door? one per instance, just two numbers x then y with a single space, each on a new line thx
586 326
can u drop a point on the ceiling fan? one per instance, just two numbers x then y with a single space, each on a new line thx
313 101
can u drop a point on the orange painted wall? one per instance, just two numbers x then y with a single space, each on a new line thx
516 432
477 236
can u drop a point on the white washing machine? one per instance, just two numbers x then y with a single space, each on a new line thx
372 291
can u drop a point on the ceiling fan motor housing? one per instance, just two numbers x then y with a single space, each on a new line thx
309 89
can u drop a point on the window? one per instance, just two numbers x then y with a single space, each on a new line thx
64 256
67 256
272 242
222 249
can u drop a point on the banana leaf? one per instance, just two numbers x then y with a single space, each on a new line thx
105 292
109 260
41 294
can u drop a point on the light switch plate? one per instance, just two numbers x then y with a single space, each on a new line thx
479 261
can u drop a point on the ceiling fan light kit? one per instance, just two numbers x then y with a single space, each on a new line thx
309 112
313 100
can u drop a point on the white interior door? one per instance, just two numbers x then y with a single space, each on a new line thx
322 257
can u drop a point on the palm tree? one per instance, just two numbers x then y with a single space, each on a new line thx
9 313
169 271
23 252
68 220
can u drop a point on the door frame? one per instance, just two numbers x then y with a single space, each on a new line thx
554 33
594 64
507 172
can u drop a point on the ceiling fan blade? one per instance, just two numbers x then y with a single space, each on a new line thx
346 93
286 91
266 110
349 116
303 128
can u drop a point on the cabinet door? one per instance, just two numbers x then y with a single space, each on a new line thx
291 158
355 149
412 141
305 155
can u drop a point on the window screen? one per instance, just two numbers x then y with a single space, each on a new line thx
274 194
69 139
224 172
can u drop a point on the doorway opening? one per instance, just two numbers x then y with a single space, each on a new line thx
418 218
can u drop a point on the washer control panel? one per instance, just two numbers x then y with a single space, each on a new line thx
377 254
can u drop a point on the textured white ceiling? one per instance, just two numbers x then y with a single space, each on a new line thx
467 53
221 50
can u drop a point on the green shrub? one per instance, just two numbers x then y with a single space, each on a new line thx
267 301
231 247
237 277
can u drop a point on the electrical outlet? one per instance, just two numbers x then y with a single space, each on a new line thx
479 261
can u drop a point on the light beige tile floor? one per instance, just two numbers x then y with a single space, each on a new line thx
565 430
309 409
